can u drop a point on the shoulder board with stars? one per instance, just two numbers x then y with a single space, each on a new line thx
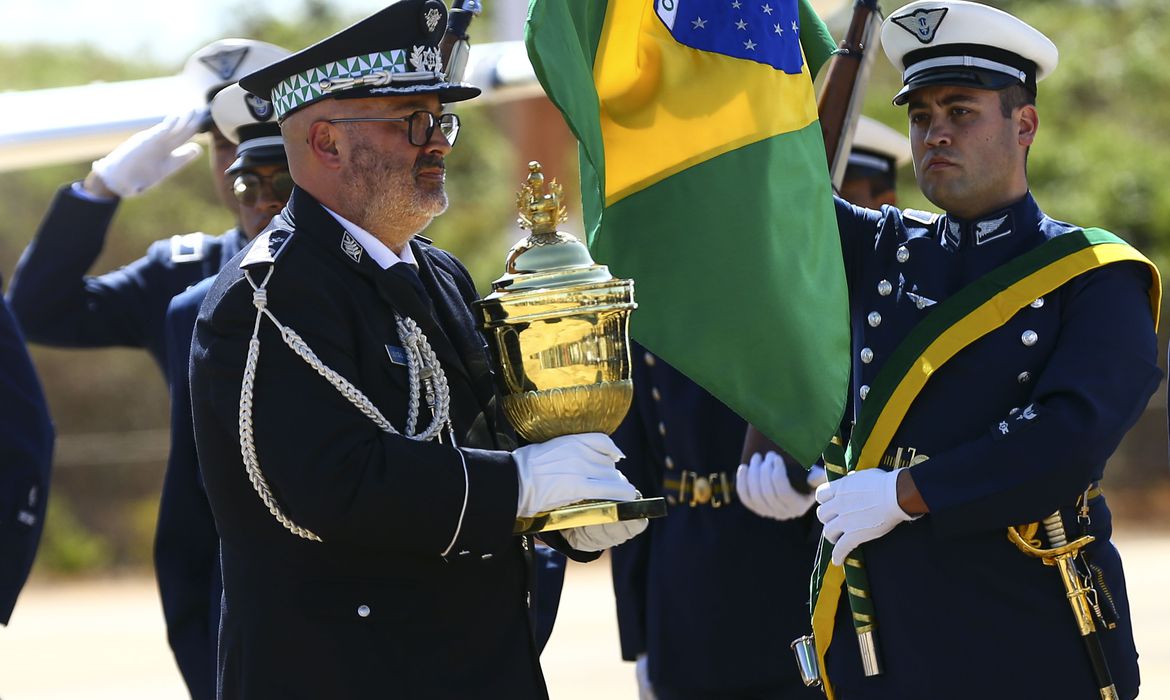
922 217
266 248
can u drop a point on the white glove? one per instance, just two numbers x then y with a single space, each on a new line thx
763 486
859 507
642 673
148 157
594 538
568 469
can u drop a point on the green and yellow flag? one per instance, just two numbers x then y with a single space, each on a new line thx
704 179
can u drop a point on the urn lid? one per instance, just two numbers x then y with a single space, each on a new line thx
547 257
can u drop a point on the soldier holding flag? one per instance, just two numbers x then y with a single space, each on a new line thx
999 356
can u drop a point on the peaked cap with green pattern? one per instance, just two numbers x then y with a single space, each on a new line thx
392 52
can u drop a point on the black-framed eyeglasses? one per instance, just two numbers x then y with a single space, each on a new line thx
420 126
247 186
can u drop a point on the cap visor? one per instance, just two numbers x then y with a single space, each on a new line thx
973 78
266 155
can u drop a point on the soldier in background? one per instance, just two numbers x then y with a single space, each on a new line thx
186 544
701 620
55 301
57 304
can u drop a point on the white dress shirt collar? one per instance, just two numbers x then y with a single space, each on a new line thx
376 249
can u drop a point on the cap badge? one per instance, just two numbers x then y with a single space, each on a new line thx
427 59
923 24
351 247
225 63
260 108
432 17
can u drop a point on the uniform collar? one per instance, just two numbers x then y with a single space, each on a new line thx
376 249
1001 225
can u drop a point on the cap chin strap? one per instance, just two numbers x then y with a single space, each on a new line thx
965 62
425 376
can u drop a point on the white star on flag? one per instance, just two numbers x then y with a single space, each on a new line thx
749 45
779 30
741 25
794 27
735 4
767 9
699 23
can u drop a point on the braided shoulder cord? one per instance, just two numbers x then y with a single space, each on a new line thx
424 373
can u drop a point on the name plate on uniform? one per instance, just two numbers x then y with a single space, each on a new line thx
590 513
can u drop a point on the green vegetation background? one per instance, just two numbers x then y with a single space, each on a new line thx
1100 159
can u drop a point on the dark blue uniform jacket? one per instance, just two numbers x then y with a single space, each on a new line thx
713 593
186 545
373 608
58 305
1014 427
26 454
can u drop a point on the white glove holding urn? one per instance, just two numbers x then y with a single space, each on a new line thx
150 156
574 468
764 488
859 507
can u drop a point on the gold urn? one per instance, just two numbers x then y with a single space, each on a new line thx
558 327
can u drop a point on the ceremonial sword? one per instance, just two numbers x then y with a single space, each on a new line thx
1077 588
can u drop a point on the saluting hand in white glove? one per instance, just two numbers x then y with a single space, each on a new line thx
859 507
763 486
148 157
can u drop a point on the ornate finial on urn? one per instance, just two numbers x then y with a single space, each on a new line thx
540 211
557 324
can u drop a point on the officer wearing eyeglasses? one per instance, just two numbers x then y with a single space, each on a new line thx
186 547
364 482
51 296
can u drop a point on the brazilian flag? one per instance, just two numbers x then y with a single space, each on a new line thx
704 178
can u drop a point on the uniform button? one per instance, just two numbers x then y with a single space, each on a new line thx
863 392
1024 377
866 355
1038 303
1029 338
656 394
885 288
363 611
903 254
662 429
875 319
649 359
669 462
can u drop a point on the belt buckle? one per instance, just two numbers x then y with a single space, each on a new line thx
720 489
700 489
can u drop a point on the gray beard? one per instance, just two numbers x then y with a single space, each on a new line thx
388 202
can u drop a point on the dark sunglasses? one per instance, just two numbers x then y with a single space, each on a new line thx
248 186
420 126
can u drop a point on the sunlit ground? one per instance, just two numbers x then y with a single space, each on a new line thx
105 640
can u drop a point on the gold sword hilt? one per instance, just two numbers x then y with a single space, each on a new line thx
1062 555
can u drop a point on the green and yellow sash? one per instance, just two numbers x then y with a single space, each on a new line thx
973 312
